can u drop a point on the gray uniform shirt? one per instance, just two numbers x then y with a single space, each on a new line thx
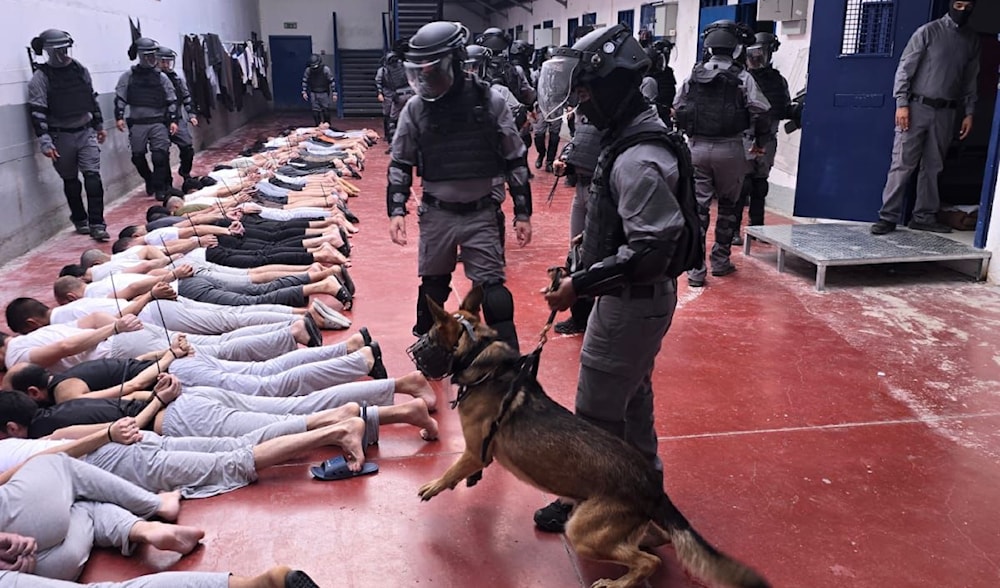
644 186
38 98
940 61
121 100
756 101
380 80
326 72
405 147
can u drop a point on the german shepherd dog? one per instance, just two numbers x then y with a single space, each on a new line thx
620 507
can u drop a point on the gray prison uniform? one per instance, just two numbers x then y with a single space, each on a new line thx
442 231
296 373
75 139
940 62
140 134
720 164
624 332
246 344
69 506
160 580
202 411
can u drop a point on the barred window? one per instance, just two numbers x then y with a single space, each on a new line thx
869 27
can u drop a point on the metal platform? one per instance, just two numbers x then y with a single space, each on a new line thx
827 245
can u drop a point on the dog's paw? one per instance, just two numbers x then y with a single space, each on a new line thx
430 490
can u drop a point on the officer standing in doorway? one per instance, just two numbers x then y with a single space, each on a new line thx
775 89
152 115
460 137
317 89
393 88
546 133
715 107
187 114
68 123
937 76
637 237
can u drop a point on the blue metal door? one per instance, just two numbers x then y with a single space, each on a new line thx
289 57
847 125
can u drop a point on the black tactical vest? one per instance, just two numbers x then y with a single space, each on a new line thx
318 80
604 232
395 76
774 87
666 86
715 105
459 138
586 149
69 94
145 88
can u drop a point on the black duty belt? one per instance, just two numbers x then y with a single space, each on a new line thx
637 291
461 207
938 103
68 129
148 120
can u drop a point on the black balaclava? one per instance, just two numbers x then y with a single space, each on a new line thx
961 17
614 100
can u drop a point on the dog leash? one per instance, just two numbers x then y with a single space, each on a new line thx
556 273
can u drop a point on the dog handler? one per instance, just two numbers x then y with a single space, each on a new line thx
632 229
460 137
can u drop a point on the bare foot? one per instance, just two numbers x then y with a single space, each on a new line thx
413 413
349 435
170 506
176 538
416 385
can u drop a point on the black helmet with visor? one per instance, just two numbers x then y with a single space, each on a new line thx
435 56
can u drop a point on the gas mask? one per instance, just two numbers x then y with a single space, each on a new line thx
435 361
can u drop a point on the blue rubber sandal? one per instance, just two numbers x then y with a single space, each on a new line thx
299 579
336 468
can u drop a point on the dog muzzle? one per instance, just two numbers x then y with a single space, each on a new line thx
435 361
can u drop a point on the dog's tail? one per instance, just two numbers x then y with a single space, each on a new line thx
699 557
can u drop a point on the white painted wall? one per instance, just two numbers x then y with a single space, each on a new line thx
359 22
32 199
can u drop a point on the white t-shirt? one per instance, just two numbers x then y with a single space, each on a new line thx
76 310
19 348
118 263
14 451
164 235
107 287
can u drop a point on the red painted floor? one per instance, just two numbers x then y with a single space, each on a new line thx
845 438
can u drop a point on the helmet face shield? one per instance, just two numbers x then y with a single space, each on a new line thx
431 79
60 55
555 85
148 59
758 57
167 63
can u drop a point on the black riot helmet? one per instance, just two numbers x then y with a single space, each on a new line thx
763 49
494 39
477 59
56 43
167 58
315 61
608 61
400 47
435 58
726 38
521 53
144 49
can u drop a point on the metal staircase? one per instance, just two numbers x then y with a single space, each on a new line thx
410 15
357 82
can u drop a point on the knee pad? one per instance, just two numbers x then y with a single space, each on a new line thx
72 187
437 288
498 303
160 158
92 181
141 165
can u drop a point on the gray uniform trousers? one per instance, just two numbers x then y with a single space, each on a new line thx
180 316
477 233
197 466
623 336
182 138
211 412
79 152
161 580
719 168
68 507
578 210
320 101
297 373
924 145
155 135
246 344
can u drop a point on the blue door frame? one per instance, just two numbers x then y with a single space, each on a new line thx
289 57
989 181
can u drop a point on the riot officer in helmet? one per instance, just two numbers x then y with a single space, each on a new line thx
546 134
393 88
775 89
186 111
663 75
503 68
635 238
317 89
151 118
716 107
69 125
460 138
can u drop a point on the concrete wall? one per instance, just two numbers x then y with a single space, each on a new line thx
359 22
32 199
